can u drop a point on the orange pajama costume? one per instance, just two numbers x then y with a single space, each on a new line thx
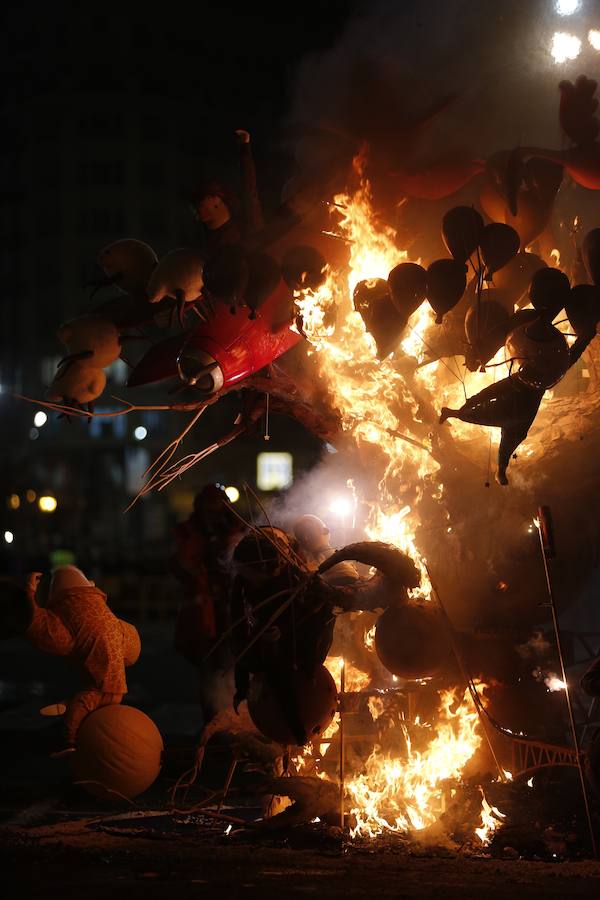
78 623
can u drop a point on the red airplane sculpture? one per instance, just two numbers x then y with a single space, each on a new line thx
224 350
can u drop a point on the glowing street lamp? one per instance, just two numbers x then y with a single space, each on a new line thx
340 506
47 503
233 495
567 7
565 46
9 537
40 419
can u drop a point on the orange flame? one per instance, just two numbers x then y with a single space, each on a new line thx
379 402
490 820
408 794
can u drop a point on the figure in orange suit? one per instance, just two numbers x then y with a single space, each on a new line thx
77 623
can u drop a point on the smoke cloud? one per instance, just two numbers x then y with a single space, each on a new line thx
491 60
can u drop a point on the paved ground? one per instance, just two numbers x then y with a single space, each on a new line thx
74 860
57 842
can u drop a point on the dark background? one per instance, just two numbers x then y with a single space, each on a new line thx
111 113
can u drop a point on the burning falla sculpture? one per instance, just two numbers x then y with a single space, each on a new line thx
250 310
285 617
252 304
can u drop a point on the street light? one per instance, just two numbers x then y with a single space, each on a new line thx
9 537
340 506
567 7
47 503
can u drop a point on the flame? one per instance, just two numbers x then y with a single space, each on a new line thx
397 794
369 638
376 707
354 678
380 403
490 820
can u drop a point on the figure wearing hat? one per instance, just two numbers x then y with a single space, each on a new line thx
77 623
225 220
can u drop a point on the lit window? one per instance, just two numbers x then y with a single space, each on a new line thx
274 471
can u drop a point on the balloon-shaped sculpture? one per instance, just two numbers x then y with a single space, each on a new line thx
178 276
410 641
304 267
128 264
486 326
408 287
522 317
590 250
119 750
541 352
446 283
499 244
462 227
91 337
514 278
315 700
583 309
549 292
76 384
382 320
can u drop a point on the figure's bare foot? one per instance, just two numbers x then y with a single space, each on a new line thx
501 477
446 413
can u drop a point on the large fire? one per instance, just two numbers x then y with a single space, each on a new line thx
408 794
379 401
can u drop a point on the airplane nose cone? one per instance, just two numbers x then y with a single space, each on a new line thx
200 370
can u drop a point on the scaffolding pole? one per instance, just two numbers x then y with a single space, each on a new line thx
543 523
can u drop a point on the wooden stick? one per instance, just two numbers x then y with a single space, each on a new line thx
342 753
230 773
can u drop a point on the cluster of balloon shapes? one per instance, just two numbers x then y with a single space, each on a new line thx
153 290
511 278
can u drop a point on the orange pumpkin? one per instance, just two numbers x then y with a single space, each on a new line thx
118 749
410 642
316 699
